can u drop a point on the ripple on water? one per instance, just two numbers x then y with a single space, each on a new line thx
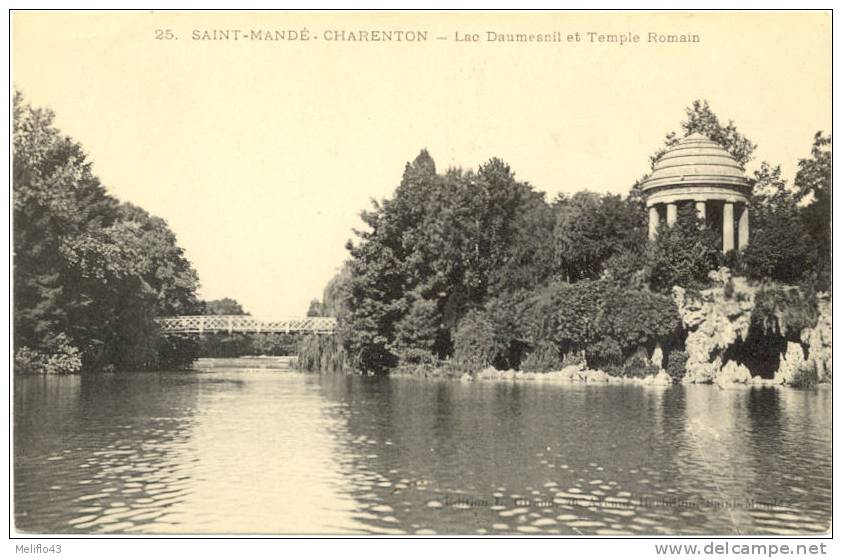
513 512
82 519
586 523
203 452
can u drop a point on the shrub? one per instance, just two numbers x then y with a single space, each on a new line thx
321 353
506 313
627 268
606 353
177 351
413 355
564 315
683 253
61 358
543 358
804 377
677 364
475 346
787 310
601 319
28 361
638 365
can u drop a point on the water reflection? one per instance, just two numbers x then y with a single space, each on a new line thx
234 451
100 453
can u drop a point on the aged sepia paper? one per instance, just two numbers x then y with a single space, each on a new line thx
261 139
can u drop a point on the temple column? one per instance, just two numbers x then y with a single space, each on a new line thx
727 227
653 222
742 237
700 210
672 213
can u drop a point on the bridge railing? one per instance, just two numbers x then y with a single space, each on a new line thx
245 324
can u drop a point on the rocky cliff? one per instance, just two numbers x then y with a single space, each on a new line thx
718 318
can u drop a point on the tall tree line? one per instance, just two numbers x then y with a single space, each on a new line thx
89 273
479 259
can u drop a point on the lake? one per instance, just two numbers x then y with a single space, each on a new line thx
281 452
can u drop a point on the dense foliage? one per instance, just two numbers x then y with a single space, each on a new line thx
592 229
785 310
700 118
684 253
604 321
443 245
813 185
321 353
90 274
476 267
456 270
475 345
222 307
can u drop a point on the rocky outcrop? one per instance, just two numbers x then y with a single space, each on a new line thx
732 373
659 379
792 365
657 358
819 341
572 374
716 318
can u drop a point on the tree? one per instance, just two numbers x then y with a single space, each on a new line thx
90 274
700 118
780 247
158 259
590 229
449 254
451 240
335 296
814 186
224 307
782 251
55 198
315 308
683 253
416 332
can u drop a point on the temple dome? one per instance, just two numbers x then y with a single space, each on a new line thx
696 159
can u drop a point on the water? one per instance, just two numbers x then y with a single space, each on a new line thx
266 451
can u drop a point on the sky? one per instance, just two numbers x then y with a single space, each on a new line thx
261 154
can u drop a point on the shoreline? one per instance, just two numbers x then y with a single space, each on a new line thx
584 376
568 375
261 362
